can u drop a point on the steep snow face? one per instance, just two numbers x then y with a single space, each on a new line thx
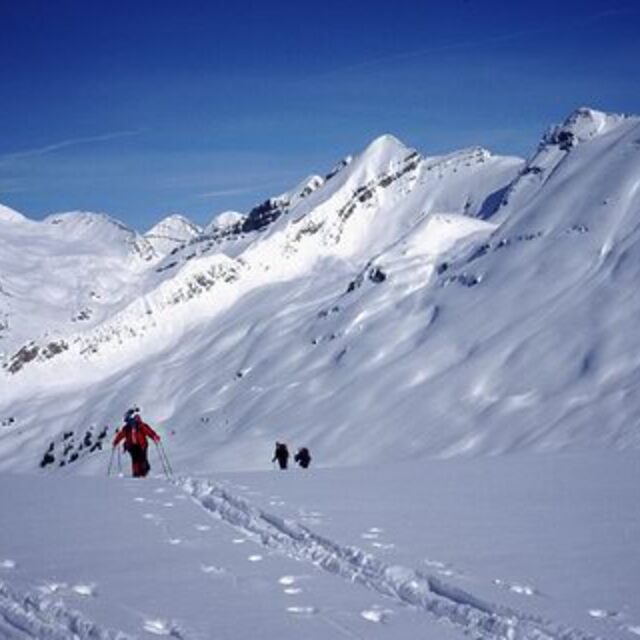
569 148
583 125
172 232
338 220
395 305
305 188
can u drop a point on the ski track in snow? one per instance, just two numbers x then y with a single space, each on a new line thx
445 602
38 616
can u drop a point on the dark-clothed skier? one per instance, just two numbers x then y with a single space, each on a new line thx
303 457
281 454
135 432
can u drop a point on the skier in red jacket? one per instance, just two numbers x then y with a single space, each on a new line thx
134 432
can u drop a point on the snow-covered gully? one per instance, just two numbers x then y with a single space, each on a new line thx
34 616
447 603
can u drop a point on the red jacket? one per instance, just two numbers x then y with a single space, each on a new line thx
136 433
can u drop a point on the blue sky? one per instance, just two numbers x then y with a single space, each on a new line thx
144 108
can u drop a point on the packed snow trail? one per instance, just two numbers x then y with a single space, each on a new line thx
479 619
32 616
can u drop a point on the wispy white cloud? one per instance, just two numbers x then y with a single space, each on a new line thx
236 191
70 142
475 43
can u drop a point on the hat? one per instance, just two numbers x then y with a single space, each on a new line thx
130 413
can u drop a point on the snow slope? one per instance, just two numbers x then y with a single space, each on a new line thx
489 549
455 305
170 233
69 270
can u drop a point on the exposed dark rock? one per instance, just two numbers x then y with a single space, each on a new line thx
377 275
47 459
170 265
24 355
262 216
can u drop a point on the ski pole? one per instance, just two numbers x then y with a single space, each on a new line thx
119 462
166 458
164 466
113 450
163 462
167 466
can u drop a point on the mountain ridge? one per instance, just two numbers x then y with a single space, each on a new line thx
428 304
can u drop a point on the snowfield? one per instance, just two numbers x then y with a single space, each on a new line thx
454 338
507 547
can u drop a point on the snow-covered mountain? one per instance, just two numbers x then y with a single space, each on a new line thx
404 305
171 232
70 270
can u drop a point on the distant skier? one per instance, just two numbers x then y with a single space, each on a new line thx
281 454
303 457
134 432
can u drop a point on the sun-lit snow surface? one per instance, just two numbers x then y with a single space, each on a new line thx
401 306
517 547
68 271
170 233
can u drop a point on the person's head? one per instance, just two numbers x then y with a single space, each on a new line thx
131 415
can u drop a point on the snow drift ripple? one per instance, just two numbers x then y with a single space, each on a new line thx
32 616
447 603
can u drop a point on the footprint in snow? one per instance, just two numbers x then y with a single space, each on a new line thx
255 558
369 536
167 504
202 527
139 499
289 584
175 541
376 614
288 581
161 627
212 569
52 587
277 503
602 613
239 540
8 564
383 546
523 589
86 590
160 490
372 533
302 611
180 497
514 587
635 630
